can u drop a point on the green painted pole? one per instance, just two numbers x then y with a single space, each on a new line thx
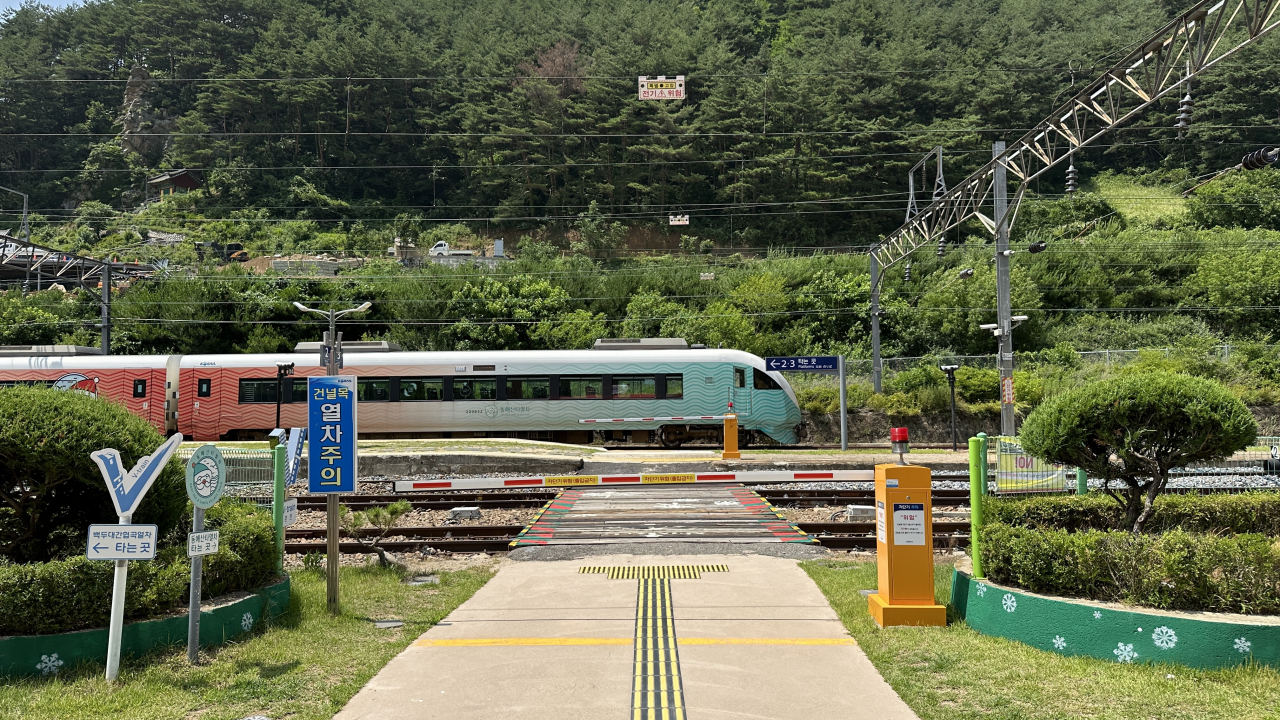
277 502
982 466
1082 482
977 482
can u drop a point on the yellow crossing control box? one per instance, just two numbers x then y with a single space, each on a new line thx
904 548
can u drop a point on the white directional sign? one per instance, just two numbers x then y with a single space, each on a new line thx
661 88
290 511
122 542
202 543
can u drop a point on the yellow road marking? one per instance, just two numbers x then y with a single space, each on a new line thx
515 642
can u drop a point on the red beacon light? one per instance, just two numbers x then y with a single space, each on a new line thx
898 438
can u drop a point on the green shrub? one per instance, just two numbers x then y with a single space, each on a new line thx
1173 571
1133 430
52 490
73 594
975 385
1252 512
895 405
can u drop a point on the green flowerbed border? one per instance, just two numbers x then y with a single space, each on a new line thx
46 654
1075 627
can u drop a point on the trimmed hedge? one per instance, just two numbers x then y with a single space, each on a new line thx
73 594
1251 512
1174 571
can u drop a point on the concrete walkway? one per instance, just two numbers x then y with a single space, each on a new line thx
755 639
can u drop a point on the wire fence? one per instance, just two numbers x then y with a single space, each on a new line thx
1018 472
246 469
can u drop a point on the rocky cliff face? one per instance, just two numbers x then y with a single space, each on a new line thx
146 129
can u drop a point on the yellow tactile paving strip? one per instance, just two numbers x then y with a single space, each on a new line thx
657 693
669 572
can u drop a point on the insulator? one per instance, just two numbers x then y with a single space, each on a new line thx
906 273
942 246
965 274
1037 247
1259 159
1073 179
1184 114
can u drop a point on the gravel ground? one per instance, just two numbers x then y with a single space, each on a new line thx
315 519
822 513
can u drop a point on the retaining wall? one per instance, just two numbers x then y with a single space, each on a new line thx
1107 631
221 619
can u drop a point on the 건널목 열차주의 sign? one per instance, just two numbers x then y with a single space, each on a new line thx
331 430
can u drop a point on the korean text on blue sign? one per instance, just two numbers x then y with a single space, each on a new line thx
331 432
122 542
807 363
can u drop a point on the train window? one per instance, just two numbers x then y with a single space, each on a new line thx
528 388
739 377
764 382
675 386
139 388
634 387
204 387
256 391
373 389
421 388
297 390
475 389
581 387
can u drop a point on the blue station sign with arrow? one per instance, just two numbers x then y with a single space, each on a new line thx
803 363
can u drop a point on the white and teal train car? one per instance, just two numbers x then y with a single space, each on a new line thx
535 394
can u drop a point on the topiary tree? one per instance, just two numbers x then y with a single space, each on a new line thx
1132 430
50 491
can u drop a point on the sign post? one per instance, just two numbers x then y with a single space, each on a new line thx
331 462
822 365
127 491
206 480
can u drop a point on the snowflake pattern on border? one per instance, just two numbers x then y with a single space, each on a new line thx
1010 602
1124 653
49 664
1097 614
982 589
1242 645
246 622
1164 638
1059 642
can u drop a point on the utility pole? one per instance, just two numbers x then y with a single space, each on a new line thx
106 306
877 369
1004 311
330 353
283 370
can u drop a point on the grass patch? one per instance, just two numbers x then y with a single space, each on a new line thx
1140 203
955 672
304 665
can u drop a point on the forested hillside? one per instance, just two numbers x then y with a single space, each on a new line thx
801 121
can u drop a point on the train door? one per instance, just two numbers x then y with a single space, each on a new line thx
740 392
206 411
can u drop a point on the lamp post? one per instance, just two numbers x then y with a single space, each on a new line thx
329 356
283 370
950 370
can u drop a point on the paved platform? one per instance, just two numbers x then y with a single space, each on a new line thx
635 636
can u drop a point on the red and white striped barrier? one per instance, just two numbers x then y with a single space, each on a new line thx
654 419
750 477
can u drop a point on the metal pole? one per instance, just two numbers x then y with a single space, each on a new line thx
193 604
982 466
277 501
1082 482
977 466
1004 313
844 407
279 392
951 377
117 612
876 367
331 500
106 308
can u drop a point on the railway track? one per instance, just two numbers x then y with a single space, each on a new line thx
495 538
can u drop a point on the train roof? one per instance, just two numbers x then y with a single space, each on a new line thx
82 362
483 357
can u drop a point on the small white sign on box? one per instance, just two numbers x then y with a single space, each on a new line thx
122 542
880 531
202 543
290 511
677 219
908 524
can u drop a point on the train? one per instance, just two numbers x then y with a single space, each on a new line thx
646 391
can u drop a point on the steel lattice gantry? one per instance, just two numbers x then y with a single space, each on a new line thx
35 267
1197 40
